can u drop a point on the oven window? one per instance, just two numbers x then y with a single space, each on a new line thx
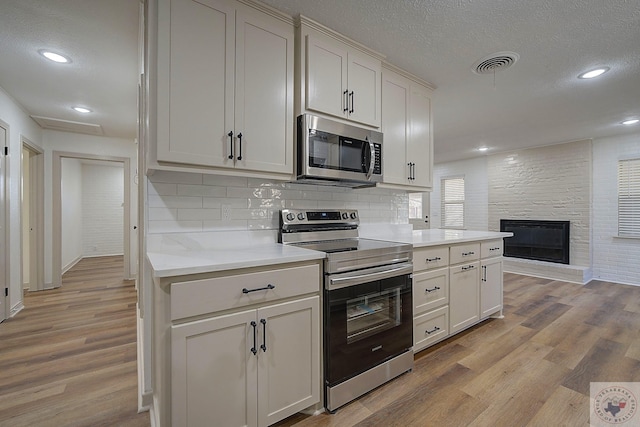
373 313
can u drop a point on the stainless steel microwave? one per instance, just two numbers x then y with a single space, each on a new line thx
333 153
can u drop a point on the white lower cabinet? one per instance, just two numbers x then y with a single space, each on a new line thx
490 287
464 305
454 287
249 368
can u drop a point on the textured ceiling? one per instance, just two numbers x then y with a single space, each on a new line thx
538 101
100 36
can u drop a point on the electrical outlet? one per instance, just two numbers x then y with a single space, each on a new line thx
226 212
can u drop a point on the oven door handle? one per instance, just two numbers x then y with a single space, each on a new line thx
379 273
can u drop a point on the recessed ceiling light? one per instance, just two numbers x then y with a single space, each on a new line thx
483 148
55 57
631 122
81 109
593 73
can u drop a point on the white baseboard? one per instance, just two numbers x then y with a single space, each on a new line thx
16 309
71 264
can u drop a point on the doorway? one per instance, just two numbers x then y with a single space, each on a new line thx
32 212
57 267
419 210
4 235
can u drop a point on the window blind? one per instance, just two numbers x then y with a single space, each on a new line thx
452 202
629 198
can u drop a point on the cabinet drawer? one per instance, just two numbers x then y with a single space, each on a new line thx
430 328
428 258
491 248
430 290
204 296
464 253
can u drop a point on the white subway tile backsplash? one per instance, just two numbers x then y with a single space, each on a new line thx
224 181
194 202
201 190
198 214
157 188
162 214
175 202
176 177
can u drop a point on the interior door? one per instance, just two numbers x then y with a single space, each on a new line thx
4 283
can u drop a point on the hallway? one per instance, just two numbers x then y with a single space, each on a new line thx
69 358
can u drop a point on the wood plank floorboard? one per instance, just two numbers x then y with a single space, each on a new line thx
532 368
69 358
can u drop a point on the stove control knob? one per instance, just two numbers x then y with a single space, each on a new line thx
354 215
290 216
345 215
301 216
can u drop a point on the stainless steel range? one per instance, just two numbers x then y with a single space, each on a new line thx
367 304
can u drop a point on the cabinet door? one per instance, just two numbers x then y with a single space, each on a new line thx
464 304
263 92
395 119
289 362
213 372
326 76
490 287
364 85
196 55
420 146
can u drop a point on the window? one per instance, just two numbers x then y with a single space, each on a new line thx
629 198
452 202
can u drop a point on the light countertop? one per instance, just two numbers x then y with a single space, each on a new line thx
432 237
193 253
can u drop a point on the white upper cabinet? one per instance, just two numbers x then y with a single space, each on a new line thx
225 87
339 77
408 134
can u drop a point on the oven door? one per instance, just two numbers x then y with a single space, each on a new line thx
368 320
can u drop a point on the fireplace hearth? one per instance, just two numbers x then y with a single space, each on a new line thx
537 239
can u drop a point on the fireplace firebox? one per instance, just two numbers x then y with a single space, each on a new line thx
536 239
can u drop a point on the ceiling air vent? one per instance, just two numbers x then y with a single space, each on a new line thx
495 62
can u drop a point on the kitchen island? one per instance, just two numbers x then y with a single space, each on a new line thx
241 298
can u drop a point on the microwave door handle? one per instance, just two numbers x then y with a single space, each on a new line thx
372 160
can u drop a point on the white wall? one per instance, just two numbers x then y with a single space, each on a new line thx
614 259
90 145
102 209
188 202
19 124
475 192
545 183
71 194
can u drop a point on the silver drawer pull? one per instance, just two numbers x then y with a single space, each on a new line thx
266 288
467 253
436 288
433 259
468 267
435 329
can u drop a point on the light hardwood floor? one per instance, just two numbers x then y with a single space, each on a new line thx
69 358
532 368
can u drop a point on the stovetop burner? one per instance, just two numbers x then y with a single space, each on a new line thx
335 232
